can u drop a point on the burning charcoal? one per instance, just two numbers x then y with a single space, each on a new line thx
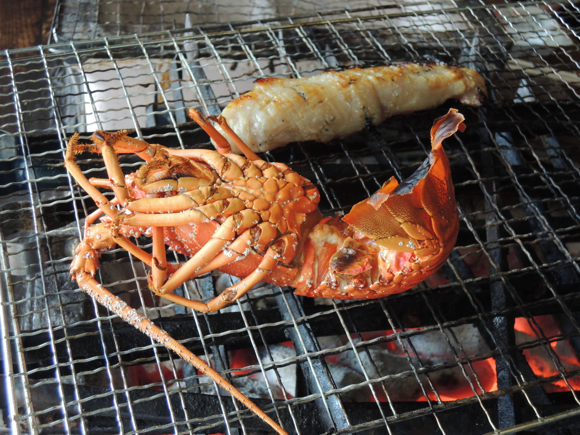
346 371
434 346
450 383
431 349
149 375
287 374
255 385
541 360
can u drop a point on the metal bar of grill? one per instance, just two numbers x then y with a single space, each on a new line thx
505 303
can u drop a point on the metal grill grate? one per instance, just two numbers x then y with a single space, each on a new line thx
71 367
83 19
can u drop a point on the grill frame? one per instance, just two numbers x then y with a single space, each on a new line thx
300 319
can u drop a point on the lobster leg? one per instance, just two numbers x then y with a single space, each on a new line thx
123 144
222 145
108 145
115 173
159 260
237 249
284 249
226 233
101 237
90 219
101 182
119 233
201 258
230 254
73 168
105 147
236 291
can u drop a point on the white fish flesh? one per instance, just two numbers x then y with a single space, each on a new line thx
336 104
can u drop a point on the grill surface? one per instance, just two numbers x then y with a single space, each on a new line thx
84 19
72 367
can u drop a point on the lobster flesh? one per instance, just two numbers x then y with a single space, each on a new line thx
260 222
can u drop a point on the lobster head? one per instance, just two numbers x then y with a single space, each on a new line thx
395 239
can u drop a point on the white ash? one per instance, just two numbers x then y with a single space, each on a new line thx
379 361
434 345
256 386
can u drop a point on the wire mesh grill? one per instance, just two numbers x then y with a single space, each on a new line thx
82 19
391 365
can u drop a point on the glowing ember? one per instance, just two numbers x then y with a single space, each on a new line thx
540 358
146 374
429 349
390 356
451 385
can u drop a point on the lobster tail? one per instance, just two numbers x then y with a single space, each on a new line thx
393 240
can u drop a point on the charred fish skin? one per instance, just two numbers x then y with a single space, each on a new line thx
336 104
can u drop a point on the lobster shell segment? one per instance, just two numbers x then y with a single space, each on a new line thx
391 241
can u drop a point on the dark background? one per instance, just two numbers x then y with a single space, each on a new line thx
25 23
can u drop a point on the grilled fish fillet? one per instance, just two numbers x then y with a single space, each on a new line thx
336 104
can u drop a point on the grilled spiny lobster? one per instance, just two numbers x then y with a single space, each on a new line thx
260 222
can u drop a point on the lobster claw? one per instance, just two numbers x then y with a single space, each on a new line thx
408 230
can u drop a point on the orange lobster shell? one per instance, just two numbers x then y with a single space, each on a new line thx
391 241
260 222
